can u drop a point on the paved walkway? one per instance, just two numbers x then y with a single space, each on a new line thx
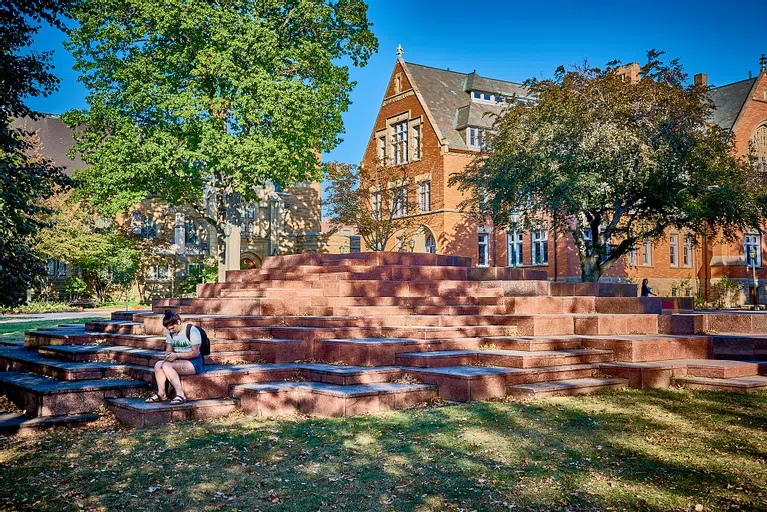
37 317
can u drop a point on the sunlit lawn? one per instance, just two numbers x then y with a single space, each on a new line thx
631 450
15 330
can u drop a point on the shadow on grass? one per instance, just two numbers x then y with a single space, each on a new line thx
648 450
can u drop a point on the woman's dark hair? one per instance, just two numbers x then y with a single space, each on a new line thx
644 281
170 318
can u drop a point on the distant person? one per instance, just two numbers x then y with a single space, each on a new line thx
646 290
182 357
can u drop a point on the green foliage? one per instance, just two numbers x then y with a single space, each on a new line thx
39 307
207 274
75 286
25 177
626 160
185 94
724 292
107 257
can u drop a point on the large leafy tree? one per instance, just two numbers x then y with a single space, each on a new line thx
197 102
618 159
25 176
372 199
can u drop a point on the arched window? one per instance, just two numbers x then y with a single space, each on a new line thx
148 228
757 146
431 245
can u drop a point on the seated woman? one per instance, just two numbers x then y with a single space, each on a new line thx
182 357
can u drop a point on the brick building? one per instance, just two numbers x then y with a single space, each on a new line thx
435 119
282 221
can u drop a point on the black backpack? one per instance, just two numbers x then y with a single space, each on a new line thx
205 345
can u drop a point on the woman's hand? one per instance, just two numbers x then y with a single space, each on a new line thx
170 356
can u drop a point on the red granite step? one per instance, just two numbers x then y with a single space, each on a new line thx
137 356
382 351
737 384
215 381
616 324
566 387
661 374
137 413
11 423
41 396
503 358
347 272
130 316
320 399
116 327
639 348
533 343
17 360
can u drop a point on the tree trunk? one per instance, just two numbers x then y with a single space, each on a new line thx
591 270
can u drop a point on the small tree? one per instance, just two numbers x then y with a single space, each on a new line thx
376 201
622 160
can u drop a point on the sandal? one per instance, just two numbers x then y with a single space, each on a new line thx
178 400
155 398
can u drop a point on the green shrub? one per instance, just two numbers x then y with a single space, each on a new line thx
40 307
724 292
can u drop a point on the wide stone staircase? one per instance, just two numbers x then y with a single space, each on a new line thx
339 335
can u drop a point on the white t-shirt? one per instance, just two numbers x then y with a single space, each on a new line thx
181 343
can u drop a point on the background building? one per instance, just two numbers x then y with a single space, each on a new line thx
436 119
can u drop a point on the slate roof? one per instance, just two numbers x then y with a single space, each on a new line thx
56 140
729 100
446 95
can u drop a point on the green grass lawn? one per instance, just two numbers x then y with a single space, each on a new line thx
16 330
632 450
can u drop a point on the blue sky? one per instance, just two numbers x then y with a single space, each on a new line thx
514 40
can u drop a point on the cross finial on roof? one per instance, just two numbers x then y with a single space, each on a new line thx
763 62
400 51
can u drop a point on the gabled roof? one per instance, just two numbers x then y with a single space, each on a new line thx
446 96
729 100
55 140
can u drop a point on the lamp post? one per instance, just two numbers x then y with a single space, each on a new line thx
341 249
514 220
752 252
411 244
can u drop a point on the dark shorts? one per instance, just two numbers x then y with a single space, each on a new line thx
199 366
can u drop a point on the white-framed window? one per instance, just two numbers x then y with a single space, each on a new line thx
674 250
51 268
540 239
62 269
647 253
631 257
195 268
382 148
159 273
431 245
399 201
190 232
424 196
251 211
753 242
148 228
588 237
687 252
354 244
417 142
483 249
399 142
514 248
475 138
375 203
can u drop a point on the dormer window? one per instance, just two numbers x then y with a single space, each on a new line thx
475 138
486 97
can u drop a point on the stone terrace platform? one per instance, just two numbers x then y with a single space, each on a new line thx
338 335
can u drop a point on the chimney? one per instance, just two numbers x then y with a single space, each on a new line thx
701 79
630 71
